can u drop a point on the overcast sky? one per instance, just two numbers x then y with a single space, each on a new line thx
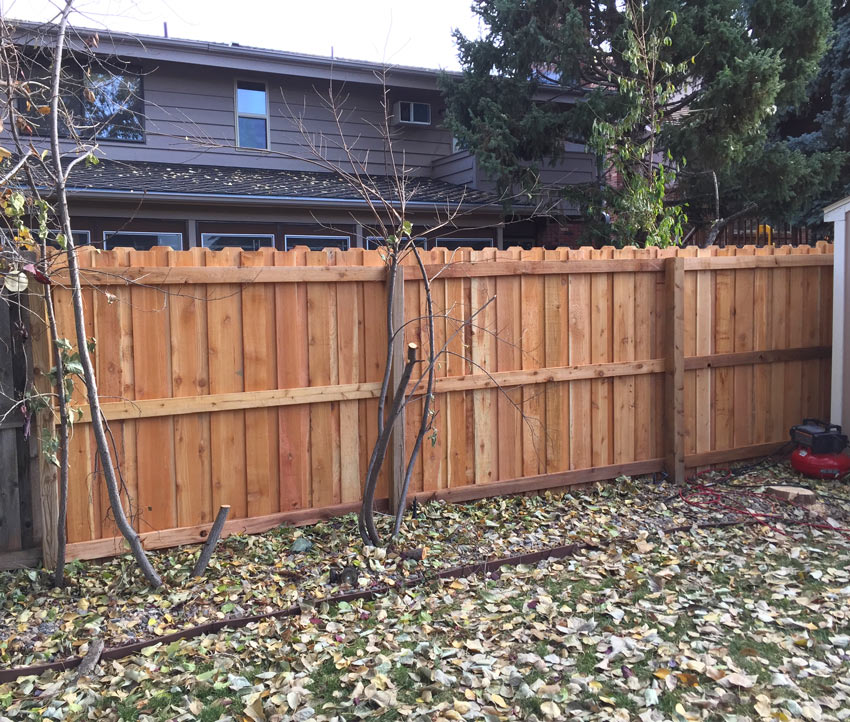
399 32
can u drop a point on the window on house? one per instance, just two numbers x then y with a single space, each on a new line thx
408 111
317 243
373 242
81 238
102 102
455 243
113 105
252 115
245 241
141 240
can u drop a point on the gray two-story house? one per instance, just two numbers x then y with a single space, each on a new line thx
215 145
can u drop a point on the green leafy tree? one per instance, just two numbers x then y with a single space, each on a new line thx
805 163
735 62
638 202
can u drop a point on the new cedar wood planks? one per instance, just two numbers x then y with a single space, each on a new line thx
292 372
350 344
533 357
624 350
742 415
226 365
322 364
259 338
484 356
578 299
761 336
645 312
509 358
157 503
704 321
190 374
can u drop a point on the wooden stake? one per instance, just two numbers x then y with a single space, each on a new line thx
212 540
674 402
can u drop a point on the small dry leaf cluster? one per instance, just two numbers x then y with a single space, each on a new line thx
731 624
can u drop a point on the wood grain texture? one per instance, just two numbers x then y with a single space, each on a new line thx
267 391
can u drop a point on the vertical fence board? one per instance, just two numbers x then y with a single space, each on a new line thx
779 340
581 456
556 341
152 378
459 464
190 377
724 342
259 371
324 417
601 285
292 372
226 366
533 355
645 308
761 341
624 350
704 346
509 358
482 290
743 341
350 339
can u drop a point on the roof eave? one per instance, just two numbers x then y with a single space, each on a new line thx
258 200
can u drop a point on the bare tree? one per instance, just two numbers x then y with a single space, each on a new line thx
55 167
387 197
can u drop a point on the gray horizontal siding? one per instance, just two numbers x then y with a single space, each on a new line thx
458 168
205 115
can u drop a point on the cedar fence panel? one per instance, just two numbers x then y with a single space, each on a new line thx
251 379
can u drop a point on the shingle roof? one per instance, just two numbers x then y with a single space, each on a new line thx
179 179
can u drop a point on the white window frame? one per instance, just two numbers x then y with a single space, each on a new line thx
308 237
87 234
108 234
270 236
487 242
411 103
237 114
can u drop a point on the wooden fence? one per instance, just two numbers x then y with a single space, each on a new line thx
19 486
251 379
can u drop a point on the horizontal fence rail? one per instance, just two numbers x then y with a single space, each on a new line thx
251 378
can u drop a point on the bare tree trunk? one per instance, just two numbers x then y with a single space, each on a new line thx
425 420
366 518
63 213
62 521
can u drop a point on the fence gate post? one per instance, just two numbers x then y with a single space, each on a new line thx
674 389
397 446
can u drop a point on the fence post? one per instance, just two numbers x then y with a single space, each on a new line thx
674 389
44 479
399 349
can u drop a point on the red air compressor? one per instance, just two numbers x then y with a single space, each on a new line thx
819 453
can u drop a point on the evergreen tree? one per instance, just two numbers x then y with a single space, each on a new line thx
805 163
736 62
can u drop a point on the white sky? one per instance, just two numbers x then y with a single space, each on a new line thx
398 32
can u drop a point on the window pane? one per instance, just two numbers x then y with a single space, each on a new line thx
404 112
144 241
114 105
421 113
217 241
251 98
455 243
252 132
318 243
